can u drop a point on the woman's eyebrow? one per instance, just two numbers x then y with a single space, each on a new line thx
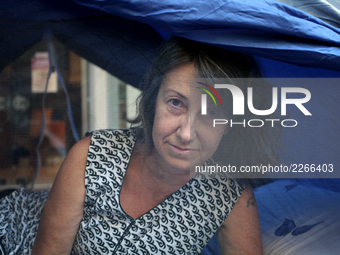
176 92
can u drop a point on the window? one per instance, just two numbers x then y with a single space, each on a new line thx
98 101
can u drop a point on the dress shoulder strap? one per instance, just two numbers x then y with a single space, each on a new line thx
107 161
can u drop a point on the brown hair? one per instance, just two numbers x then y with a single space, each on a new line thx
241 144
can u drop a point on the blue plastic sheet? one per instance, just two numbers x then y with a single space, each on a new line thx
264 28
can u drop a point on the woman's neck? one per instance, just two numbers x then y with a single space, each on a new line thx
157 174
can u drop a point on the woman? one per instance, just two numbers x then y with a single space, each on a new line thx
131 191
152 187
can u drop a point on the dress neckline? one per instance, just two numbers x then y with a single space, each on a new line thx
150 211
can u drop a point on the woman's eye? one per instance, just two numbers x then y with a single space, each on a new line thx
175 102
176 106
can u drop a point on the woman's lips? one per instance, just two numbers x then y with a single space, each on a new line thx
182 150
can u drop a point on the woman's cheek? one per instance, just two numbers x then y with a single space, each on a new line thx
211 140
168 117
165 123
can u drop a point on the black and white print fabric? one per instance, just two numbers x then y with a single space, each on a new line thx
181 224
19 219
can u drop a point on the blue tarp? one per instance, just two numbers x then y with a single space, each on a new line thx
122 36
264 28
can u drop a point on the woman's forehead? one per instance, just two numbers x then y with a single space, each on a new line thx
179 76
182 70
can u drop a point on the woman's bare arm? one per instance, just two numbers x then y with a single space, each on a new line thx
64 207
240 233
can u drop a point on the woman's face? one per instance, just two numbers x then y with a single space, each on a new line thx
182 136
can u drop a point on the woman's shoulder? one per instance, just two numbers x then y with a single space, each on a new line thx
111 143
80 148
112 134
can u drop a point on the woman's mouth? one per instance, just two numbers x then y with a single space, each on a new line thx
182 150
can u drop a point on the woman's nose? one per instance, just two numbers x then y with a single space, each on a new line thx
186 130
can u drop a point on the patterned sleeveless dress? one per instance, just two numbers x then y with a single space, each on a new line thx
181 224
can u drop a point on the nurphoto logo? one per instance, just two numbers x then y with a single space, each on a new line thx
238 104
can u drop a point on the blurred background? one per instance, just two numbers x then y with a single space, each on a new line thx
22 88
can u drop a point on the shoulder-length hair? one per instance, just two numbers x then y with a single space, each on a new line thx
242 145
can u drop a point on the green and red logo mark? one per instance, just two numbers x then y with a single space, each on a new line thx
204 97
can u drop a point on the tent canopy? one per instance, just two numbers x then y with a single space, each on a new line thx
122 36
